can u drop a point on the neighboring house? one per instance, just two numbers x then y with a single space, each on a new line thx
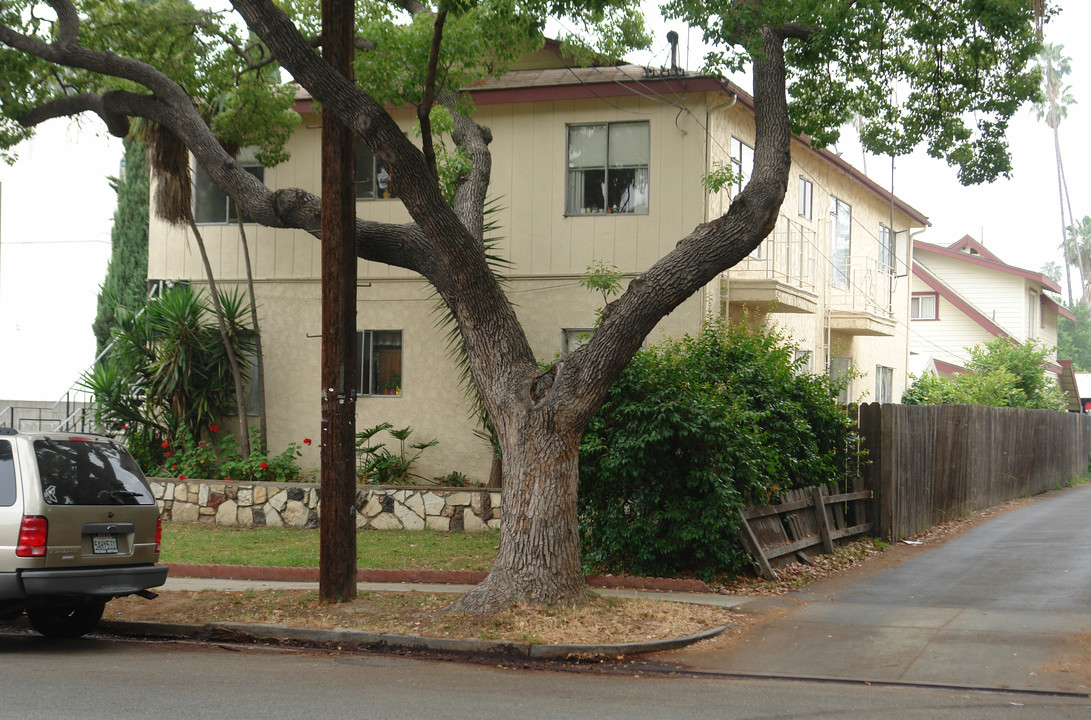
601 163
964 295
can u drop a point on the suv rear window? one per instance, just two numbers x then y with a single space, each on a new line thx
78 472
7 475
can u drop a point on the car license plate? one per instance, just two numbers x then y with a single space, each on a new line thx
104 544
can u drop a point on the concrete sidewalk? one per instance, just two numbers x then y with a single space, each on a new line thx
1007 605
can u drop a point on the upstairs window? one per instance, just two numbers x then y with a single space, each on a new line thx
371 178
742 162
806 197
380 356
923 307
211 205
608 168
886 249
840 253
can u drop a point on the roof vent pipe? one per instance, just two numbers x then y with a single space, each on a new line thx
672 38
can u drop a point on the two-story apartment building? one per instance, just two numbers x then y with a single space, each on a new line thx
589 164
964 295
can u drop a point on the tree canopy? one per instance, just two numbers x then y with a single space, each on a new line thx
948 75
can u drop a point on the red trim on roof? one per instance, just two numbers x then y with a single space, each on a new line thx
950 296
1057 307
986 259
945 367
968 243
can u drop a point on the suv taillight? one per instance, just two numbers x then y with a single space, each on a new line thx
158 534
32 536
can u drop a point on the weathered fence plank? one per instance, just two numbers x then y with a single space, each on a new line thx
934 463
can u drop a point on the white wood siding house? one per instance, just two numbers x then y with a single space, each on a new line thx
964 295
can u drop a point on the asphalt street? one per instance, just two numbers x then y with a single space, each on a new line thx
1005 605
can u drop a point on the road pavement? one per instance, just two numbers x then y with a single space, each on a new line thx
1005 605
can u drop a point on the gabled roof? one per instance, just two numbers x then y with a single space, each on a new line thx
948 293
971 251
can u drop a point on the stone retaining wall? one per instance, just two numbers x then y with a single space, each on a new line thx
269 504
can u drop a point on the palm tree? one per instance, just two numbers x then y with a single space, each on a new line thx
1079 246
1057 97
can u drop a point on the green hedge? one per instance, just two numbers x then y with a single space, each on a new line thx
692 431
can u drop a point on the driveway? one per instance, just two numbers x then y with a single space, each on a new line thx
1005 605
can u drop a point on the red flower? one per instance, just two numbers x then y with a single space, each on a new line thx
182 476
227 479
167 453
264 466
173 467
214 428
306 441
166 444
202 445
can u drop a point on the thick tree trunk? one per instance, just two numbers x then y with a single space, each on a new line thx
539 557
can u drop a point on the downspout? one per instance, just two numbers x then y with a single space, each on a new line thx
708 206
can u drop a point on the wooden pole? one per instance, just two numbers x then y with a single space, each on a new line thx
337 546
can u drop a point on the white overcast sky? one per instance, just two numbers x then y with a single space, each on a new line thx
56 209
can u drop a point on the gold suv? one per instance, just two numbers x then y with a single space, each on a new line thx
78 526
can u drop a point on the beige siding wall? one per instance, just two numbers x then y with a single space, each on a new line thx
548 252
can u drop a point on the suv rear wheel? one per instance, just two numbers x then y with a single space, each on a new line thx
66 621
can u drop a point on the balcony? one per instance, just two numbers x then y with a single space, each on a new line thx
860 297
780 276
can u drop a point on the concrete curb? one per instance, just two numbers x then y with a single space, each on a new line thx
454 577
393 642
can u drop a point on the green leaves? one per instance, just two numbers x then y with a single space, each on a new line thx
1000 373
946 75
692 431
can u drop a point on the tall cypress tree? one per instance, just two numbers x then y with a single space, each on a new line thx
125 285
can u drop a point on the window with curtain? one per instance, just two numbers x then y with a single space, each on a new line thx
379 353
841 370
884 384
608 168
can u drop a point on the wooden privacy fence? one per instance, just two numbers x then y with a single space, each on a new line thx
808 517
931 463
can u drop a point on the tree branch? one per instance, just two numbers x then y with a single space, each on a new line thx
424 110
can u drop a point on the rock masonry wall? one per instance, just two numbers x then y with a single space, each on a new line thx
263 504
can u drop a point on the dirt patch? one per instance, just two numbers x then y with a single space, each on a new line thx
605 620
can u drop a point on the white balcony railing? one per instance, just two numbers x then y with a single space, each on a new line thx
861 285
787 256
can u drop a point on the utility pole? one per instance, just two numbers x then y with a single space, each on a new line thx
337 546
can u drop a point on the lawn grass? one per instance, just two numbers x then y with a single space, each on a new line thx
290 547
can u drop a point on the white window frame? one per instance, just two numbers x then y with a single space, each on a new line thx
840 243
884 384
742 163
887 249
917 306
637 202
806 198
573 339
840 365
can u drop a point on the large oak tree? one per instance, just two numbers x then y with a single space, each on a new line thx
948 74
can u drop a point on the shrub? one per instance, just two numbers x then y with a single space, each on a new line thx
220 458
379 466
1001 373
690 433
